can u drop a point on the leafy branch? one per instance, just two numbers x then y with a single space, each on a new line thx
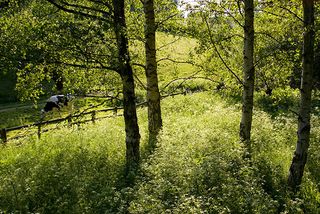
85 11
217 51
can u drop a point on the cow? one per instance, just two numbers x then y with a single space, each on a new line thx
56 101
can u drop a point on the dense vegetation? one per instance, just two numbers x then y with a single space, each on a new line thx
196 167
185 154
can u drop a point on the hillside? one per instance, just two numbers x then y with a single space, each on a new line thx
196 167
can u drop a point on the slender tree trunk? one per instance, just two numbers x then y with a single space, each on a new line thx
125 70
153 94
58 79
131 121
300 156
248 75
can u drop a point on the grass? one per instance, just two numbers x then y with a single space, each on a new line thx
175 56
174 48
15 115
197 166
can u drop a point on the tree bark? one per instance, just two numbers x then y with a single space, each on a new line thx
300 155
248 75
153 94
57 77
125 71
131 121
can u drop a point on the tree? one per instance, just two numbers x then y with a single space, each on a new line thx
248 74
224 38
126 73
153 94
112 15
166 12
300 155
54 51
22 49
276 47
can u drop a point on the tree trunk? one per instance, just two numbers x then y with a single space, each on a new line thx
125 71
58 79
300 156
153 94
131 121
248 75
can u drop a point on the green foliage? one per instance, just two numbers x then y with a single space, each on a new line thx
197 166
7 83
282 100
219 29
314 156
43 44
69 171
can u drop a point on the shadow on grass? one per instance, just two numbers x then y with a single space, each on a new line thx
269 104
127 180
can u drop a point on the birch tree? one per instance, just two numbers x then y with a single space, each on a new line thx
153 94
248 74
126 73
112 14
300 155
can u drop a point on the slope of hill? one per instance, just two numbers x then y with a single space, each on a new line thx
197 166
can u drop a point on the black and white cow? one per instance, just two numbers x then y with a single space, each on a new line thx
56 101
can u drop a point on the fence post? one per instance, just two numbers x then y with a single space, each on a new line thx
39 130
115 111
69 120
93 116
3 135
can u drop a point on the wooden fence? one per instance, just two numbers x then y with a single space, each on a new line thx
70 119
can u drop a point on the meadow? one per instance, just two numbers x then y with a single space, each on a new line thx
196 167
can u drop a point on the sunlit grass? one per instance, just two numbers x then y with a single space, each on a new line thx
170 48
197 165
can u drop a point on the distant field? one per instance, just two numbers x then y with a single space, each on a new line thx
172 49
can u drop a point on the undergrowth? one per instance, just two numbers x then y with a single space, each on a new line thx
196 167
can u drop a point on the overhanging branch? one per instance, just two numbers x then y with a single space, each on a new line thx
64 6
101 66
165 45
217 51
166 19
291 12
181 62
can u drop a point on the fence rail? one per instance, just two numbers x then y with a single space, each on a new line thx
4 131
70 118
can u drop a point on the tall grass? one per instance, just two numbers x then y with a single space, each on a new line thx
197 166
73 170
